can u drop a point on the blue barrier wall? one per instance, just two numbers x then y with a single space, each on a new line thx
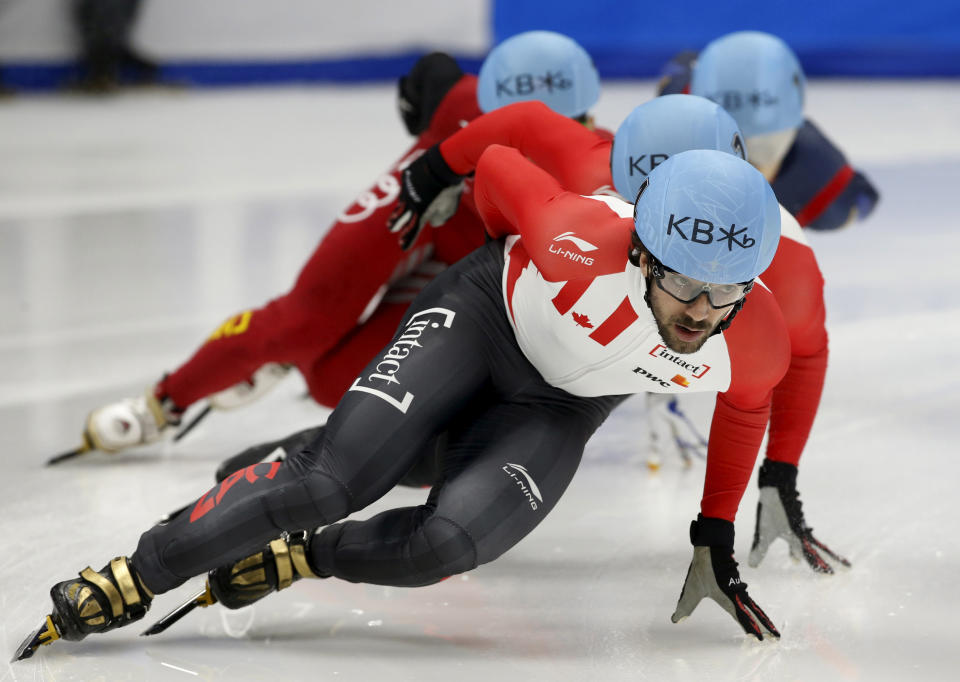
835 38
627 38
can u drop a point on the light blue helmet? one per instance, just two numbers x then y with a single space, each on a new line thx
709 215
755 77
539 65
666 126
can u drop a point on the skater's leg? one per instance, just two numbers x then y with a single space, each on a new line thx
409 393
329 375
504 472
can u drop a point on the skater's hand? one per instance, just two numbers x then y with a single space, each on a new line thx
780 515
429 193
713 573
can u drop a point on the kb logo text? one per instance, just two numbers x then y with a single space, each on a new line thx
701 231
529 83
733 100
643 164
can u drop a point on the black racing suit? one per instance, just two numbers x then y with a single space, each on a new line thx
513 443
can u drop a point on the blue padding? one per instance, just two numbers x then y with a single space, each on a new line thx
213 74
848 38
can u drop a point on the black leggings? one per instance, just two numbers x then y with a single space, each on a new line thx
423 474
512 446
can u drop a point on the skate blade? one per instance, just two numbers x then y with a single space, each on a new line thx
46 634
86 446
202 599
193 423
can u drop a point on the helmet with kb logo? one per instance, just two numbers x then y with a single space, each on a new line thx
756 77
662 127
539 65
708 215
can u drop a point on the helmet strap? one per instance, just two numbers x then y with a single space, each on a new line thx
725 322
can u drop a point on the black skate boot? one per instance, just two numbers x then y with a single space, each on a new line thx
279 565
241 583
95 602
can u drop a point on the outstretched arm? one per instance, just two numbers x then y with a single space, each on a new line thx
567 236
576 156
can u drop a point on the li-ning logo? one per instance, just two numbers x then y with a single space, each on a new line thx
702 232
384 373
697 371
653 161
527 486
528 83
581 244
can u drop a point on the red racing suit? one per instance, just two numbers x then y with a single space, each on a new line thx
580 161
349 297
585 325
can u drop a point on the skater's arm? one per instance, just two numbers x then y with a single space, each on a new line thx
566 235
759 348
576 156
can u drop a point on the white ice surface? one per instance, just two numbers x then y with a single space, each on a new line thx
130 226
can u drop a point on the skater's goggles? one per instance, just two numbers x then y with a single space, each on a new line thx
687 290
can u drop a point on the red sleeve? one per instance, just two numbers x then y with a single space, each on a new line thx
514 196
797 285
577 156
795 279
759 350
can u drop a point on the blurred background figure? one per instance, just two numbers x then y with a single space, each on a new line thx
107 59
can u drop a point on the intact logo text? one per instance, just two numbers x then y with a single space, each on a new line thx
696 371
384 381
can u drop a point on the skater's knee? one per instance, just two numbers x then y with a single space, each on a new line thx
313 498
443 547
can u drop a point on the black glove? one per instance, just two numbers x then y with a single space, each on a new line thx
780 515
420 92
429 193
713 573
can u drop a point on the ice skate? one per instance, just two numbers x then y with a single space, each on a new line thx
241 583
96 601
130 422
254 388
239 395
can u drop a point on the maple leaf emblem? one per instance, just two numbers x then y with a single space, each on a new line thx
582 320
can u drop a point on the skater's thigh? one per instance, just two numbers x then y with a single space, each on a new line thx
506 470
431 370
330 375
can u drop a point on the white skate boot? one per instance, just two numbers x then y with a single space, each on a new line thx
130 422
246 392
